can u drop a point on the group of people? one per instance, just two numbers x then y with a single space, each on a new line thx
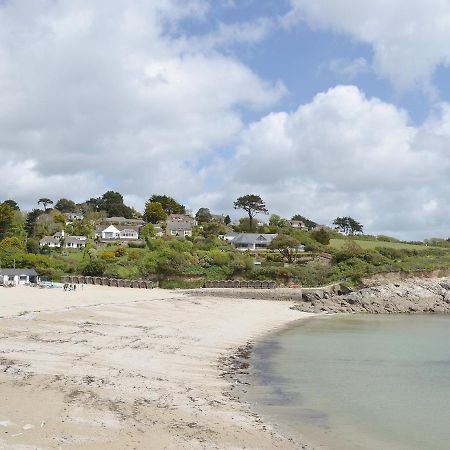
71 287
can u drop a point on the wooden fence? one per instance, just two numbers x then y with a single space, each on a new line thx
113 282
241 284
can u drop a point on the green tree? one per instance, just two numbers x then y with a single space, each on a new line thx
347 225
112 203
287 245
147 231
203 215
13 204
6 218
94 268
154 212
277 221
65 206
45 202
169 204
30 222
227 220
322 236
252 204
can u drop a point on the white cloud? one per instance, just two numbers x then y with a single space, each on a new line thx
349 68
110 90
409 37
345 154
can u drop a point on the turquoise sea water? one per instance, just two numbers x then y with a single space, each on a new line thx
358 382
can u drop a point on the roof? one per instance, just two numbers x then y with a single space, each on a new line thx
124 220
254 238
180 218
75 240
179 225
13 272
50 240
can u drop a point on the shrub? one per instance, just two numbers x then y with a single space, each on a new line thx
108 255
94 268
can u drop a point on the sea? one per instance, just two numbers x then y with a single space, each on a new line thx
357 382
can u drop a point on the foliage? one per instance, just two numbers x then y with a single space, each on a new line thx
252 204
309 223
169 204
287 246
154 212
203 215
94 268
66 206
322 236
45 201
347 225
227 220
13 204
6 218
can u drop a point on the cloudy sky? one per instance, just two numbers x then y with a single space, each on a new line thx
323 107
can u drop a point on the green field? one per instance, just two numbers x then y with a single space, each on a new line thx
339 243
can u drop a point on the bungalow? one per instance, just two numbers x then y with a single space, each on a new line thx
252 241
18 276
59 239
181 229
75 242
50 241
113 232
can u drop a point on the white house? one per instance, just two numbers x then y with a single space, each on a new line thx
181 229
18 276
59 239
113 232
252 241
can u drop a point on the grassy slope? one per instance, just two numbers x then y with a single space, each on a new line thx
339 243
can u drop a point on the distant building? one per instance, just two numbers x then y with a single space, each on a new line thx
18 276
252 241
181 229
116 232
181 218
298 224
73 217
159 231
59 239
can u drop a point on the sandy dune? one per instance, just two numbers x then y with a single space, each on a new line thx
114 368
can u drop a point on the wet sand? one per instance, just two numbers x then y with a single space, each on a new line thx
116 368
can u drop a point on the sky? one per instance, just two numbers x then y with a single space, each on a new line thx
325 108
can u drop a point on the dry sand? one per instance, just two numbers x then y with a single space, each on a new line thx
116 368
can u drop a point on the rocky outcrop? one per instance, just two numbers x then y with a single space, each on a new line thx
410 296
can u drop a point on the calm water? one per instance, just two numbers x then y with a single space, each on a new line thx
360 382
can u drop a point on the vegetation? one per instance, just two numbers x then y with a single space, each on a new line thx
252 204
329 255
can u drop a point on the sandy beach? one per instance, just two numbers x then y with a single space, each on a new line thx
123 368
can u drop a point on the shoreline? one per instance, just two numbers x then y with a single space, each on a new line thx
127 368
